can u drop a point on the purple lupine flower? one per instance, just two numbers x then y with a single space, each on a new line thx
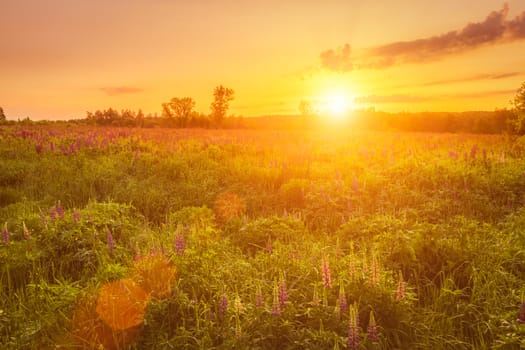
53 214
76 215
39 147
400 292
521 313
276 305
327 275
343 304
259 297
372 332
473 151
354 338
180 244
283 293
59 210
110 241
223 306
374 271
6 236
43 219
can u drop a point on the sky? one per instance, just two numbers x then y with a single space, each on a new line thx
62 58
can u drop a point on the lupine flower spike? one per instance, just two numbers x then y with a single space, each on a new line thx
180 244
400 292
326 273
6 237
283 292
372 329
353 328
276 306
223 306
59 210
259 297
110 241
343 304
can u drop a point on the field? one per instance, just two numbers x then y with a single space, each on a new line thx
245 239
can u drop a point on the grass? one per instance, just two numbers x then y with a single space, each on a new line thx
260 239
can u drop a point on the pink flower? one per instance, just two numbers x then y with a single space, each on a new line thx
110 241
6 236
327 275
400 292
372 329
354 338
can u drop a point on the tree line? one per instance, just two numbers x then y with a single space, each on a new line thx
178 112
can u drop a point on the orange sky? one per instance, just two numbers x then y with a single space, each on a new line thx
61 58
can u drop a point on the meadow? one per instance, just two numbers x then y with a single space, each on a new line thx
248 239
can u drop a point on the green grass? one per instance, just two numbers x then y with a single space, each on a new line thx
241 215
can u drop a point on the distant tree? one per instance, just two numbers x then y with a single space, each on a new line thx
518 103
179 109
2 115
221 103
306 109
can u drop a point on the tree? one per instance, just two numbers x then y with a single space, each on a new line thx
2 115
179 109
221 103
306 109
518 103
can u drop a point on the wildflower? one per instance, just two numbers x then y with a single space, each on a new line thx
180 244
53 214
353 329
372 329
283 293
521 313
59 210
6 237
343 304
76 215
110 241
43 219
473 151
223 306
400 292
374 271
327 275
315 299
259 297
276 305
25 232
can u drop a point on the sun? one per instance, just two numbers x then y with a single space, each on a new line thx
337 105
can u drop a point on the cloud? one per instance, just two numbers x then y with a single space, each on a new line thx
494 29
390 99
472 78
337 60
121 90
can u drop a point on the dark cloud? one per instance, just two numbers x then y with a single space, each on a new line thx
494 29
121 90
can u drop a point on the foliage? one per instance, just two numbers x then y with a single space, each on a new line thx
222 96
154 239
